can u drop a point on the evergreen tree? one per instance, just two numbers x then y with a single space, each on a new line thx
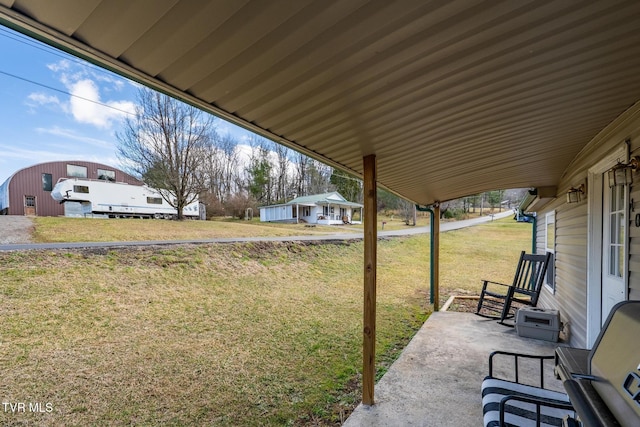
348 186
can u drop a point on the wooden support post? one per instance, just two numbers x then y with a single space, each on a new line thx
370 262
436 257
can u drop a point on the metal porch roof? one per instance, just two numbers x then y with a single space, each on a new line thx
326 198
453 97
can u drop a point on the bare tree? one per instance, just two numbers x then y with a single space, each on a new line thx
301 166
318 176
230 179
166 144
222 168
281 170
408 212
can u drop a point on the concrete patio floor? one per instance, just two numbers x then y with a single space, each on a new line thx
436 380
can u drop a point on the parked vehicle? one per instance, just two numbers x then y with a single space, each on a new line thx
90 197
522 217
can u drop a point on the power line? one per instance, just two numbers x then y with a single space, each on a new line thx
66 93
20 38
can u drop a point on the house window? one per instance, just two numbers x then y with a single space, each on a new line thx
47 182
306 211
76 171
550 247
154 200
81 189
30 201
107 175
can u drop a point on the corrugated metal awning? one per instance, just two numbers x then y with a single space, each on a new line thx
453 97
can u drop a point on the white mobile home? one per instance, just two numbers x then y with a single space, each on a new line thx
326 209
86 197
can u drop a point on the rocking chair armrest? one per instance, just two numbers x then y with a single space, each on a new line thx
495 291
517 356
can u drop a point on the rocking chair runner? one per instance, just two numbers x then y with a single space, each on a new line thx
497 299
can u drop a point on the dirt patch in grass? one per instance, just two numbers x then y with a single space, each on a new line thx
15 229
463 305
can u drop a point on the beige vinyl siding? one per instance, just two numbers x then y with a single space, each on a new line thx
627 127
634 240
572 227
633 134
570 296
571 269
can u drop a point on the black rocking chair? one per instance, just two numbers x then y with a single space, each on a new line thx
497 299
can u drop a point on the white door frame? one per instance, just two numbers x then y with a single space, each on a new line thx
594 239
615 286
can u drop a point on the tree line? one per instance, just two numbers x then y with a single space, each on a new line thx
176 148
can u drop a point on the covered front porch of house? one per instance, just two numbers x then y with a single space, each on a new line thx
338 214
436 380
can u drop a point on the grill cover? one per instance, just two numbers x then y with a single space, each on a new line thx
615 362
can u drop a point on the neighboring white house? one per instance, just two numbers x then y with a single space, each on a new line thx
326 209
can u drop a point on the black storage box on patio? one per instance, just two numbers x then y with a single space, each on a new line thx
538 323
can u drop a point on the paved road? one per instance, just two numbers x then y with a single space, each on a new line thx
446 226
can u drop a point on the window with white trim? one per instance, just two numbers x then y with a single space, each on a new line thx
76 171
106 175
550 247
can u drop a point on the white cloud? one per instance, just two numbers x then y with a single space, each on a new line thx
15 152
87 107
241 135
59 66
36 100
43 99
244 154
86 85
70 134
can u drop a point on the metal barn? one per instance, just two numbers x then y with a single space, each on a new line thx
28 191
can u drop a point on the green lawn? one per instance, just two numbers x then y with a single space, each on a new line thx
228 334
65 229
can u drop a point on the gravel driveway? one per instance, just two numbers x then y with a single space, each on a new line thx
15 229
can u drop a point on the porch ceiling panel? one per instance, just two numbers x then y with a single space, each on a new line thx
453 97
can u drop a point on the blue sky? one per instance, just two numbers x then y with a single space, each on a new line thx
57 107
